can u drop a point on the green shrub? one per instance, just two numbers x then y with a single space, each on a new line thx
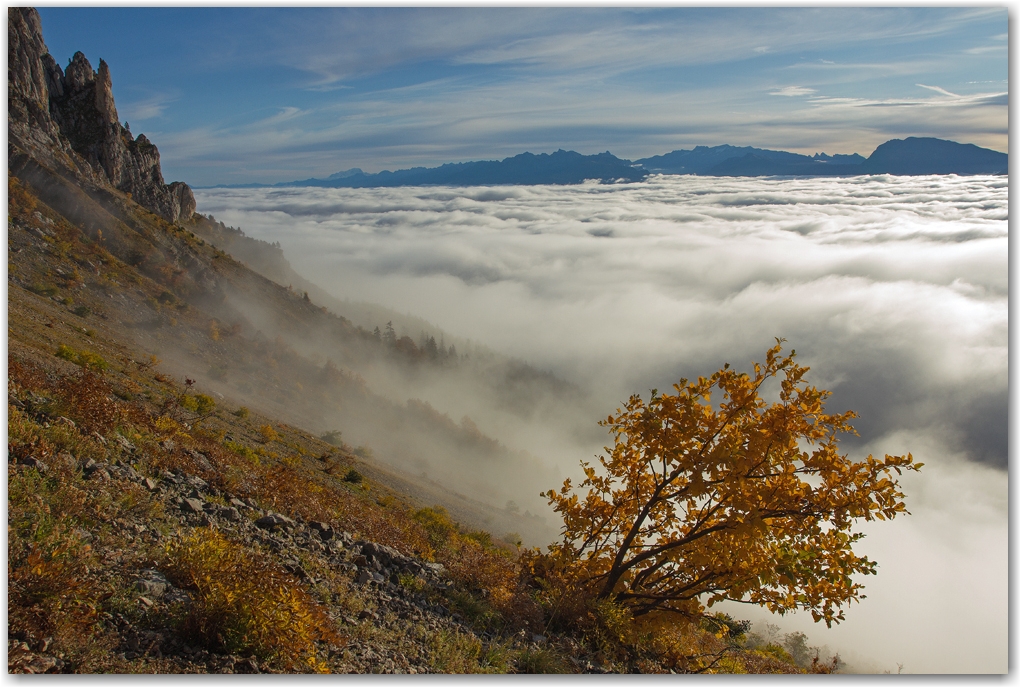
86 359
44 289
242 450
353 476
199 403
480 536
437 524
242 412
476 611
452 652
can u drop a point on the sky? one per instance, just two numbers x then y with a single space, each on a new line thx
893 290
241 95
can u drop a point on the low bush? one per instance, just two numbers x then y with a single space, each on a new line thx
86 359
541 661
246 604
453 652
87 399
268 434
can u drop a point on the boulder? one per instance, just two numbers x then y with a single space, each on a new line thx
193 505
272 521
152 583
44 664
324 530
229 513
31 462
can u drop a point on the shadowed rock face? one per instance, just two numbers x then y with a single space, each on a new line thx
72 111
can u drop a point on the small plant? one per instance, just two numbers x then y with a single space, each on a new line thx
244 603
477 611
268 434
199 403
453 652
541 661
43 289
242 412
82 311
353 476
437 524
412 583
332 437
86 359
242 450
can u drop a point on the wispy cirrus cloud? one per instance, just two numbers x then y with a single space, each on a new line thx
792 91
939 89
150 108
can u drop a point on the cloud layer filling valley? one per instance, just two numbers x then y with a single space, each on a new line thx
893 289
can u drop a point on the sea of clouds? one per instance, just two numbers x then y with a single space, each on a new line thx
894 290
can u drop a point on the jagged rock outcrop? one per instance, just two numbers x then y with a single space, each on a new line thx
70 113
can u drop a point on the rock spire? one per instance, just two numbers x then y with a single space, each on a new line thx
63 111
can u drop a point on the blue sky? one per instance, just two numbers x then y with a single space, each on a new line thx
234 95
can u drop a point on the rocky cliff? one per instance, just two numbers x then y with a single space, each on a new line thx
68 120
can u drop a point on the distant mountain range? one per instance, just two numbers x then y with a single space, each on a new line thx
910 156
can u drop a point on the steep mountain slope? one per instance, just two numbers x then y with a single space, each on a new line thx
244 336
123 476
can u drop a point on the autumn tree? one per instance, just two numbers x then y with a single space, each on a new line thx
747 500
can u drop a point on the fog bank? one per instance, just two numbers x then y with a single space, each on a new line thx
893 289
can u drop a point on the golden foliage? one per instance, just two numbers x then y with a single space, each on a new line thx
244 603
20 201
268 434
747 500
